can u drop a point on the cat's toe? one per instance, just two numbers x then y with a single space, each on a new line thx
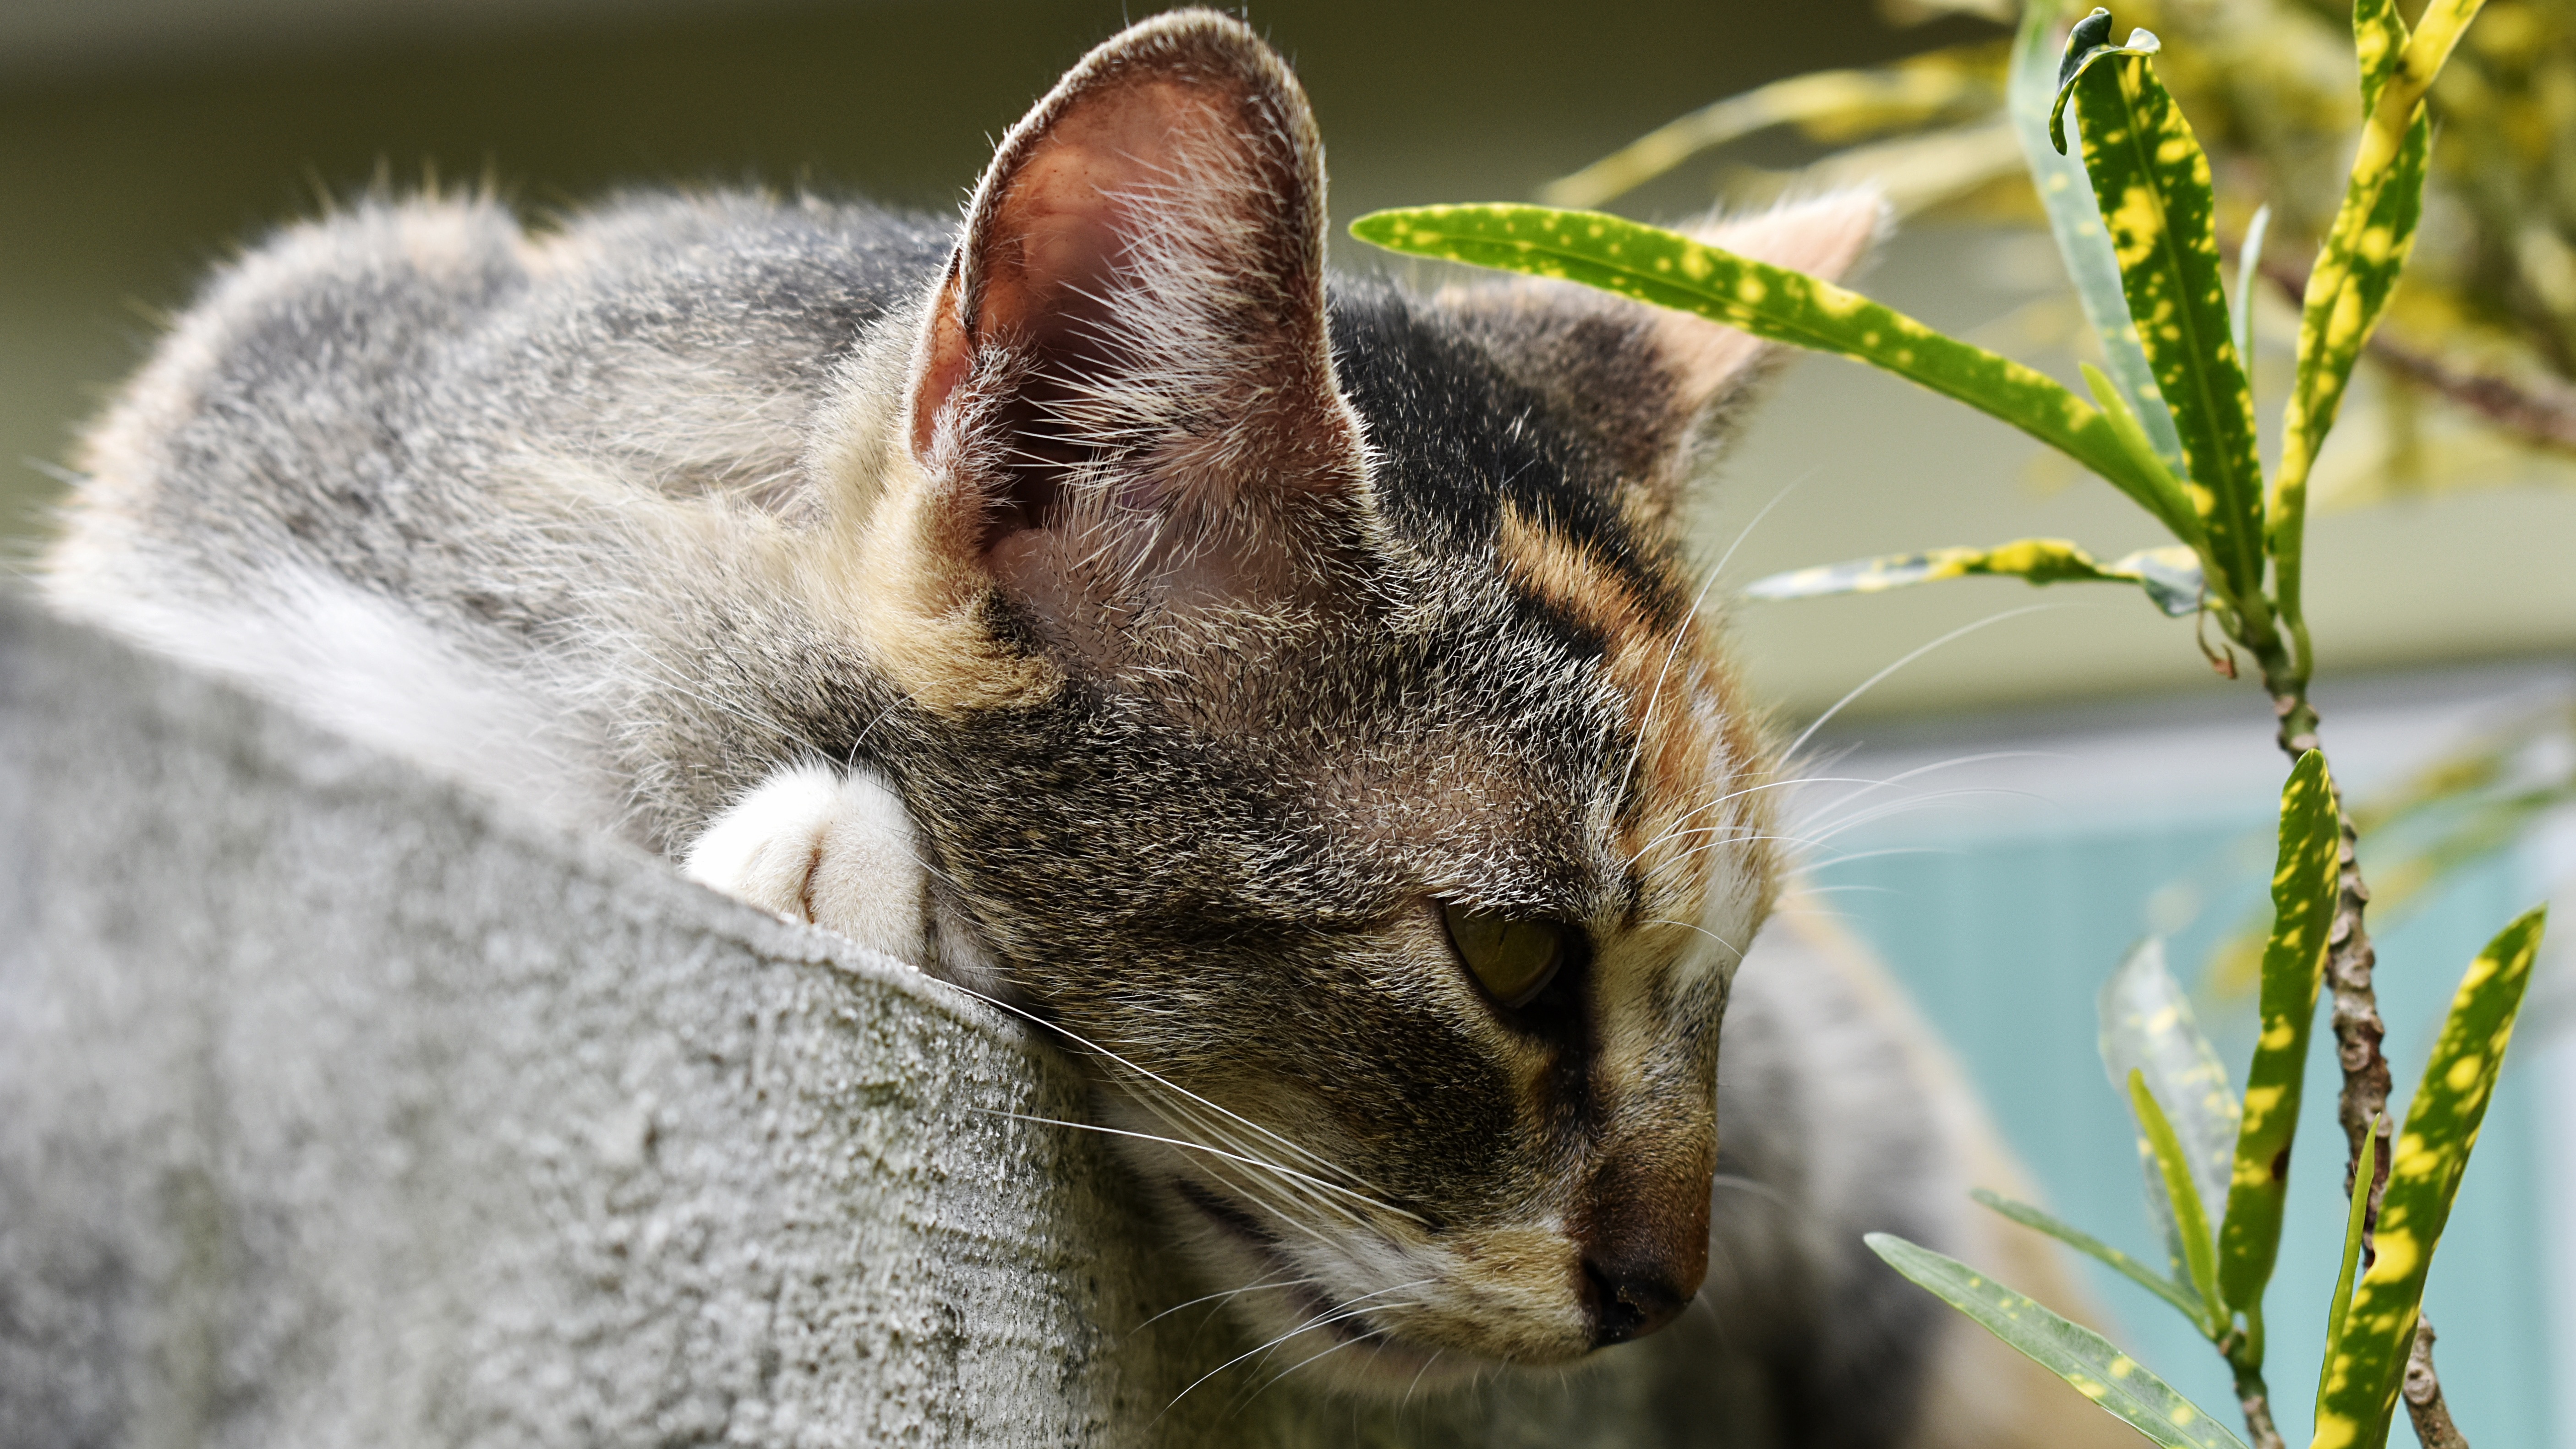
811 844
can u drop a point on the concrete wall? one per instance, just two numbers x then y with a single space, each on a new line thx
339 1107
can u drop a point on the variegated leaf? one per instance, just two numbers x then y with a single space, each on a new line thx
2182 1298
2170 575
2148 1028
2152 183
2356 1224
2374 229
2368 1363
1668 269
2333 328
1834 104
2091 1363
2184 1195
2066 194
2304 878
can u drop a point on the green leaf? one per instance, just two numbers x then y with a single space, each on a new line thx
2083 1242
2170 575
1668 269
2249 275
2356 1217
2191 1221
2368 1364
2304 880
2091 1363
2374 229
2066 195
2379 37
2152 183
1848 101
2148 1027
2346 294
2172 505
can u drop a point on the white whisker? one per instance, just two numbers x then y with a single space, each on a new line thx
1865 685
1264 1286
1180 1142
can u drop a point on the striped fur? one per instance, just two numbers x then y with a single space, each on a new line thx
1098 603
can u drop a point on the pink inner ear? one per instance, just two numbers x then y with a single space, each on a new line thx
1044 266
1066 221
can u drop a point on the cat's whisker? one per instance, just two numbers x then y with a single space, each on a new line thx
1283 1374
1672 651
1197 1122
1279 1190
1753 1186
1703 930
1708 805
1827 829
1266 1285
1418 1373
1326 1320
1900 778
1158 1079
1822 832
1911 655
1342 1313
1809 867
1180 1142
1088 1044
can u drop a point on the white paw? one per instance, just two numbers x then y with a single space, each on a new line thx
813 845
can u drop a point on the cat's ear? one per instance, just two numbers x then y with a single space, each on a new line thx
1650 383
1124 377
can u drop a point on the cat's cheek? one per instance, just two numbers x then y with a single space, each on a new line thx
814 846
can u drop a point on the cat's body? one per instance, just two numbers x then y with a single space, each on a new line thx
1083 608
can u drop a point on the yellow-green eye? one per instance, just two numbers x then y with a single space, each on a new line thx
1514 958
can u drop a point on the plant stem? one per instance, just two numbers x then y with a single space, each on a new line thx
2256 1401
2423 1395
2358 1031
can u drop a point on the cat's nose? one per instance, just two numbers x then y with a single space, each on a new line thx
1631 1300
1644 1241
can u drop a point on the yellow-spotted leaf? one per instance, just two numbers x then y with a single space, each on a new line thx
2368 1362
2304 877
2066 195
2152 183
2170 575
1668 269
2182 1192
2356 1219
2148 1030
2360 267
2182 1298
2091 1363
2348 288
1830 105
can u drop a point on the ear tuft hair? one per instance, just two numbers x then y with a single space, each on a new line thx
1126 368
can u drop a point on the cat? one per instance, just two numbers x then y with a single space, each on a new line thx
1296 692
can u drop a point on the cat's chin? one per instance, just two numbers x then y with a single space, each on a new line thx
1327 1339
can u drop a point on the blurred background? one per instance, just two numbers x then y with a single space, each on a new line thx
2066 778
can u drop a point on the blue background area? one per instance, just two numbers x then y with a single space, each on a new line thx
2004 938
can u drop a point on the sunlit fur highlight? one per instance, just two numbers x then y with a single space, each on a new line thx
1182 661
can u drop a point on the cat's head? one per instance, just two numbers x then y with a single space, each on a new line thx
1312 713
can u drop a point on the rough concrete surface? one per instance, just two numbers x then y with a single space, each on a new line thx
341 1107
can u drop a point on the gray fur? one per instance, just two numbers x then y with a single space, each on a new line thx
575 513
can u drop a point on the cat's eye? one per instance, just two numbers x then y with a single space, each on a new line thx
1514 958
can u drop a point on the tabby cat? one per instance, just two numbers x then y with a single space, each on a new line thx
1292 688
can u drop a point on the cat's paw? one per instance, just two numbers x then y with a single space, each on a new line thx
814 845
